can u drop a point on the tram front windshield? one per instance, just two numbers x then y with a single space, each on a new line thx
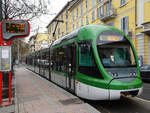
115 53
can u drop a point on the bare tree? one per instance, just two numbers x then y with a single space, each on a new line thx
26 9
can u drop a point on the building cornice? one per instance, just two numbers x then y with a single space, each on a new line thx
67 4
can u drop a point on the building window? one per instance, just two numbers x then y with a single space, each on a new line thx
49 29
98 1
77 13
62 17
77 25
66 13
58 32
93 15
122 2
62 30
100 11
124 24
73 27
52 27
73 16
86 5
81 21
81 9
66 26
93 3
107 9
140 12
87 20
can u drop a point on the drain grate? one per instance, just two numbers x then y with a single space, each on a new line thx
71 101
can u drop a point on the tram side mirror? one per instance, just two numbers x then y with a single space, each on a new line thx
14 29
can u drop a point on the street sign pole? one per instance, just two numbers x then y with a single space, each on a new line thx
1 81
1 88
9 30
10 86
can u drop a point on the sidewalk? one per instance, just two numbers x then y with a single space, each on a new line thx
37 95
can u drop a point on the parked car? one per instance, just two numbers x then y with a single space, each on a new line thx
145 73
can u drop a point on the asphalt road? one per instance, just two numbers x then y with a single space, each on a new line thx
140 104
146 92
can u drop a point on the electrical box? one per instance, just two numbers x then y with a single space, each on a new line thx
5 58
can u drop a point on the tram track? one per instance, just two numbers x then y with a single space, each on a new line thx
124 105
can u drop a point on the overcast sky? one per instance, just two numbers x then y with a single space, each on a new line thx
54 6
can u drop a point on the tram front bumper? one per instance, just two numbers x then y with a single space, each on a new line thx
116 94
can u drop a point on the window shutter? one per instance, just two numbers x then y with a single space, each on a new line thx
120 2
102 10
97 12
81 9
121 24
107 9
81 21
126 24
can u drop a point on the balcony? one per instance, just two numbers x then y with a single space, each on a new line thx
109 15
146 28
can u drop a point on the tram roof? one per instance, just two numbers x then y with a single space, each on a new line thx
66 37
91 28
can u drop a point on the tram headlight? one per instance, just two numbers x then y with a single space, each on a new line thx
114 74
133 73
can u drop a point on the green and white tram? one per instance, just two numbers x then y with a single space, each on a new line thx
95 62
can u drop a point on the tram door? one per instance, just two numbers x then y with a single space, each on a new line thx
71 67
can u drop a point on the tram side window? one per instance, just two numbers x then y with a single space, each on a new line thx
47 59
53 59
35 60
61 58
38 60
69 56
57 59
87 63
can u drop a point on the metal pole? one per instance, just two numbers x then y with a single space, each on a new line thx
1 80
1 14
1 74
9 87
18 51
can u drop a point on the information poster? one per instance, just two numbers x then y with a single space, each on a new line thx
5 53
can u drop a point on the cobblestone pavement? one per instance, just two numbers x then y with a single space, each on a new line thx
37 95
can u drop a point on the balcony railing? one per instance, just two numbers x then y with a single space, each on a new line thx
110 14
146 28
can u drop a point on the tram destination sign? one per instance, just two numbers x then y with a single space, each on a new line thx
14 29
109 36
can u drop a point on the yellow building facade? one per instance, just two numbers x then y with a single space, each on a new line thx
131 16
41 39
